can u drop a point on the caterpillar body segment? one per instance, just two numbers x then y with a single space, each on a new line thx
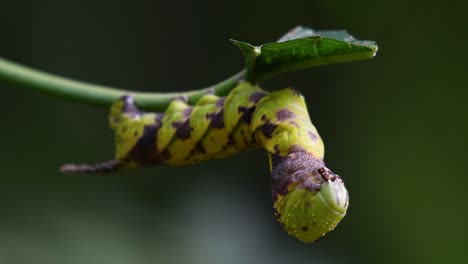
308 198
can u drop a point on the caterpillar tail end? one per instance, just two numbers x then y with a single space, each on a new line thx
103 167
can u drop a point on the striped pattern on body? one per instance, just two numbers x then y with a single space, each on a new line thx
308 198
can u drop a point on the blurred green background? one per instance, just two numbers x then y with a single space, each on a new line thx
395 128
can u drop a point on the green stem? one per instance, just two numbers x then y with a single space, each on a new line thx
298 49
87 93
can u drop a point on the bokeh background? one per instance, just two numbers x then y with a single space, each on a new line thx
395 128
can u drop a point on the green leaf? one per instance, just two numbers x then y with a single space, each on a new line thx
300 48
303 48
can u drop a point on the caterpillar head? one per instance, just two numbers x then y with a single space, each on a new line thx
309 199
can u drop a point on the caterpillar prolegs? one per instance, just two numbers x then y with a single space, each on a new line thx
308 198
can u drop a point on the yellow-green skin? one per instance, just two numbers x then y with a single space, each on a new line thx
308 198
217 127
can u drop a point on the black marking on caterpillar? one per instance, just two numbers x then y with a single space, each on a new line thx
182 129
284 114
268 128
247 113
217 119
145 151
256 97
308 198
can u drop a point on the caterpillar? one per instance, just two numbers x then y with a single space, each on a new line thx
309 199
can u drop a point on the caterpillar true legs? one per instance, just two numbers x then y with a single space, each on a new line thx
308 198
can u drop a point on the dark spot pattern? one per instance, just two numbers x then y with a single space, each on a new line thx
145 150
304 228
217 119
327 174
268 128
187 112
256 97
296 167
293 123
247 113
220 102
198 149
312 135
284 114
182 129
129 106
275 157
296 148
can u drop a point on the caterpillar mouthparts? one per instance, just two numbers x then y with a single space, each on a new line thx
309 199
309 214
335 195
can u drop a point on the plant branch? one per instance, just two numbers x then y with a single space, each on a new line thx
98 95
300 48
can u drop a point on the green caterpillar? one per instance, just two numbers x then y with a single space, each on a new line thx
308 198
